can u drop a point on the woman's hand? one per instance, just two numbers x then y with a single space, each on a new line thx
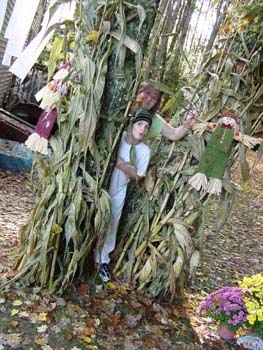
190 121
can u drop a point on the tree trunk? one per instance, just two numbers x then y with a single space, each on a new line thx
161 56
154 39
189 9
220 17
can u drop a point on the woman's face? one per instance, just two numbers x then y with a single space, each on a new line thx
139 129
148 99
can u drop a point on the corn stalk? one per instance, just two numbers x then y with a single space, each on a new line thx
72 208
162 239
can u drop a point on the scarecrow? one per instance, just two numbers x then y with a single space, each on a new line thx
49 95
214 160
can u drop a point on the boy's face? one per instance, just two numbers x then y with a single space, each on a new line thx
139 129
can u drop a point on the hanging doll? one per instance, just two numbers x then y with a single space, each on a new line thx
49 94
214 160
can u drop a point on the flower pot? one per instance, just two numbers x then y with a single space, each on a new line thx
225 333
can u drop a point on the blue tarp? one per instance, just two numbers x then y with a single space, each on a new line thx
14 156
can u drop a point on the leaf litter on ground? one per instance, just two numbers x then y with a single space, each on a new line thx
114 316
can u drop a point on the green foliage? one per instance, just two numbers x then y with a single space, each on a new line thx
55 54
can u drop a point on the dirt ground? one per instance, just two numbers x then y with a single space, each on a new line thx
116 317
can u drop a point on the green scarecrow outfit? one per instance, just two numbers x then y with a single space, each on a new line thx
214 160
215 157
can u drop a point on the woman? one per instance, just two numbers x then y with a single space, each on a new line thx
149 97
124 170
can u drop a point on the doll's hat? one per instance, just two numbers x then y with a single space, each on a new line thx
230 114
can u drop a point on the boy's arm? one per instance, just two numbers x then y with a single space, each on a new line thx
127 168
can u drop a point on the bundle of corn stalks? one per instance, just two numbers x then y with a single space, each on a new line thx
72 208
161 242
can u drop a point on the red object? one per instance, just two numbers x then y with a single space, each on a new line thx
45 123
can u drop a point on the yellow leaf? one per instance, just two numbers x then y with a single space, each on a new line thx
92 36
40 341
111 285
17 303
87 340
176 313
247 19
57 229
42 316
122 289
14 312
169 104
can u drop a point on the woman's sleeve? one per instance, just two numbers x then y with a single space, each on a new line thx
156 127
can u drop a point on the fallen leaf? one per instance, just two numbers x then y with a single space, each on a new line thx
46 347
42 329
42 316
69 336
17 302
97 322
114 318
40 341
111 285
14 324
87 340
14 312
13 340
89 331
23 314
84 289
42 309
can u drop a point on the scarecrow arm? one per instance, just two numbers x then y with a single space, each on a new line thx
248 141
199 128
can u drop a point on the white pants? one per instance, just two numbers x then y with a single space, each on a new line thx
117 193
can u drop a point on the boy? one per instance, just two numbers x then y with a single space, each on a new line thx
123 171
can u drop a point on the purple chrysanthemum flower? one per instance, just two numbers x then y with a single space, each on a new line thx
225 306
